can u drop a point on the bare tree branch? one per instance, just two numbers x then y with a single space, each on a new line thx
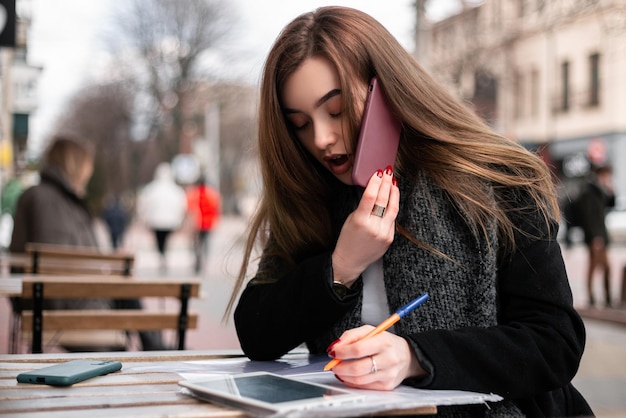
168 39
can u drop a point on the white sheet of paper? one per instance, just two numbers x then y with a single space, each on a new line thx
310 368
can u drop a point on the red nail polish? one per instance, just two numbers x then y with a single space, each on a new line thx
394 181
339 378
379 173
389 170
330 347
331 353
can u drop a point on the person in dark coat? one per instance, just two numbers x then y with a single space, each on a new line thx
54 212
593 203
116 218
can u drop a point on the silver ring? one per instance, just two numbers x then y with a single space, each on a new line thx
378 211
374 368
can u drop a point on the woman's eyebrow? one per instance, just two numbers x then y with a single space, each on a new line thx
320 102
327 97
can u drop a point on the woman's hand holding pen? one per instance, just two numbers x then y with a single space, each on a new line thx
367 233
380 362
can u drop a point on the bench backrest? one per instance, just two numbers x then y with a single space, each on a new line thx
39 288
67 260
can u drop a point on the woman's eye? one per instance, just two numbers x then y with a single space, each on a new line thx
298 122
300 127
335 115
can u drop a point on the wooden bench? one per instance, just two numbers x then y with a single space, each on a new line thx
66 260
39 288
55 259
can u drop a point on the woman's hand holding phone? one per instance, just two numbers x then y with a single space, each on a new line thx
365 236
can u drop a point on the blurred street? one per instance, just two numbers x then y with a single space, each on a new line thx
601 377
218 276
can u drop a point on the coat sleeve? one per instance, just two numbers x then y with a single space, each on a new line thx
22 223
538 342
274 316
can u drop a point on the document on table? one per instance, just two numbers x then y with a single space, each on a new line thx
309 368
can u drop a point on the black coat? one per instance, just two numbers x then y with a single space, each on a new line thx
529 356
593 204
52 213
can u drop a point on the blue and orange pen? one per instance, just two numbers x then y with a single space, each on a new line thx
386 324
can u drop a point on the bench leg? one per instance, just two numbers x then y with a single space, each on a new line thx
16 323
37 318
185 290
623 295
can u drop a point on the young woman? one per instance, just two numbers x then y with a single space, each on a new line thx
470 217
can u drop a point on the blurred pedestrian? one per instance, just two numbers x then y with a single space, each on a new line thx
161 206
54 212
204 206
595 200
115 216
11 192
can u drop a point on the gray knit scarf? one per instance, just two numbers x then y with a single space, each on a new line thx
462 287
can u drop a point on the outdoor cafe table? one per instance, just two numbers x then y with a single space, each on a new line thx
146 386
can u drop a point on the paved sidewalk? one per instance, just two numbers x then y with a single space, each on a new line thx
217 276
602 374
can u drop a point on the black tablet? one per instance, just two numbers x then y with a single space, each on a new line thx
267 393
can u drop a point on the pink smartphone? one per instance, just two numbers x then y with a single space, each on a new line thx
379 137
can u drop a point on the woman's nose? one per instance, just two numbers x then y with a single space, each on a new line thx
324 136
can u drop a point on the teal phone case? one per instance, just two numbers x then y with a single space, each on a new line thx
68 373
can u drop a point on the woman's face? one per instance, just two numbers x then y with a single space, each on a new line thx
83 176
312 101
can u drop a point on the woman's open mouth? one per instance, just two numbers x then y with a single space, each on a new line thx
338 164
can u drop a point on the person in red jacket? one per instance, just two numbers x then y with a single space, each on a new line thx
204 205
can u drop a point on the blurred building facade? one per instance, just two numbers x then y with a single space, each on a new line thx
18 92
548 74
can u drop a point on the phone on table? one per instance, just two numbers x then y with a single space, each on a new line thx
379 136
70 372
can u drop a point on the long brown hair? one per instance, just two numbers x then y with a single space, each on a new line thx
441 135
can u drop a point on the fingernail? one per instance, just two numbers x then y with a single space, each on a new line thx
394 181
331 353
330 347
379 173
389 170
339 378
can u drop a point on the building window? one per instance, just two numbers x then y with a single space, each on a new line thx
565 90
520 97
540 6
20 130
521 8
594 80
534 93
